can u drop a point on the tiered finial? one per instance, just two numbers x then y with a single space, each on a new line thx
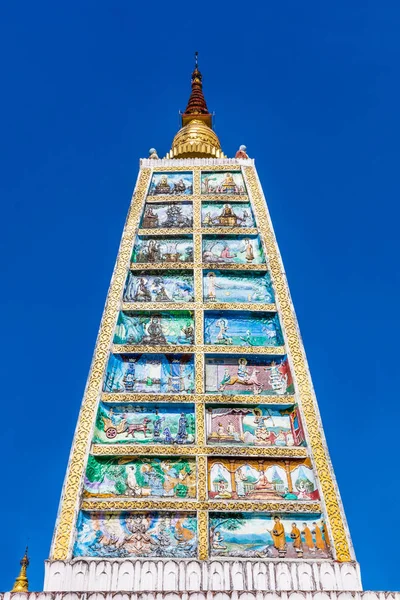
197 104
21 583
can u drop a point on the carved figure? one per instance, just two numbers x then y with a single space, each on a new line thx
241 153
135 427
296 537
278 537
154 332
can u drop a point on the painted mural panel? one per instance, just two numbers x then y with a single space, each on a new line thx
268 480
150 373
246 425
140 477
237 286
159 286
259 375
133 535
225 182
171 184
162 250
237 250
169 214
146 423
217 214
267 536
153 328
242 328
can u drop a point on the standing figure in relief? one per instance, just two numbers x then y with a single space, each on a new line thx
248 250
308 538
142 293
319 541
182 434
296 537
278 536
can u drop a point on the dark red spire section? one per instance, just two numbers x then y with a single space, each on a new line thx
197 105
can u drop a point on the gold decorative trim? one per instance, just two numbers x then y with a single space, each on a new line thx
135 450
202 529
196 398
196 170
300 370
165 231
206 348
229 231
157 306
207 266
165 199
117 504
202 479
176 231
188 266
63 535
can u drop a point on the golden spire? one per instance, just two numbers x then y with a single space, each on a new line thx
196 138
21 583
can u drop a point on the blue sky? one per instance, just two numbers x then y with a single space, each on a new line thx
312 89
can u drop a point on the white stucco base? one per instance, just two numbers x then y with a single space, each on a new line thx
195 576
204 596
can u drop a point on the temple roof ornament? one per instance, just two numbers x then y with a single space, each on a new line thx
21 583
196 138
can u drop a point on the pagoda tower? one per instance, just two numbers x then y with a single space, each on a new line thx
199 463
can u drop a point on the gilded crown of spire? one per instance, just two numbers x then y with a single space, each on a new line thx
196 137
21 582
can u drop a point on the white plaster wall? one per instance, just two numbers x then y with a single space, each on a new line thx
90 575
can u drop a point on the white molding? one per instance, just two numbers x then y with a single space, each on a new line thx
163 575
195 162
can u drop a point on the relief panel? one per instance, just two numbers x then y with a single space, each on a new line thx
242 328
171 214
153 477
162 250
267 480
159 286
145 423
171 184
225 182
153 328
134 535
237 286
217 214
248 535
266 375
263 425
150 373
233 250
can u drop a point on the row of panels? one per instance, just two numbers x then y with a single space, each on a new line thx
176 535
218 286
176 478
212 182
159 215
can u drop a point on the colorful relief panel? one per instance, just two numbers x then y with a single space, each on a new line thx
140 477
236 286
132 535
153 328
215 214
267 480
266 375
171 214
263 425
150 373
159 286
238 250
162 250
146 423
222 183
267 536
171 184
242 328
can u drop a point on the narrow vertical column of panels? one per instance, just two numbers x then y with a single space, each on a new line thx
301 373
63 535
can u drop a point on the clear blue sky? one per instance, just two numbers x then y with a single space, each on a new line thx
312 89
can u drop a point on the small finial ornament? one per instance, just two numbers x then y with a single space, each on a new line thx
241 153
196 59
21 583
153 153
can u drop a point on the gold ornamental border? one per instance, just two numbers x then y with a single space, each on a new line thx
301 372
208 399
189 266
198 450
186 198
190 306
176 231
203 348
117 504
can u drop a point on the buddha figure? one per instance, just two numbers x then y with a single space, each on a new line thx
162 186
228 185
241 153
